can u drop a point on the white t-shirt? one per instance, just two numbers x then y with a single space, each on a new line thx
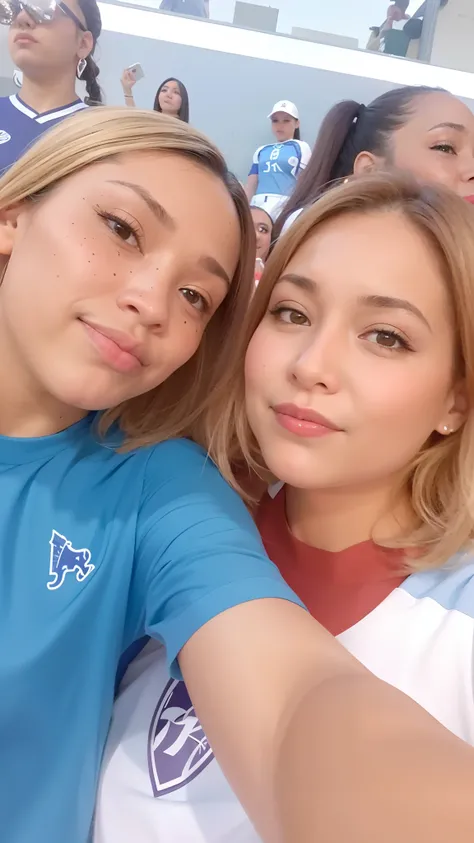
160 782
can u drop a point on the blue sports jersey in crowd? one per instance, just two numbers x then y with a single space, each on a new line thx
278 165
98 549
20 126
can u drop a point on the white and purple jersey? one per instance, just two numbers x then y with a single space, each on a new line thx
160 781
21 126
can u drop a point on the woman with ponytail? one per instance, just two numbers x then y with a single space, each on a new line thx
424 131
52 43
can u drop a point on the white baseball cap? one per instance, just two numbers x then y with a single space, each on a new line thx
287 107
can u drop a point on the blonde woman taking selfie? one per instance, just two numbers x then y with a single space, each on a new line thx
354 385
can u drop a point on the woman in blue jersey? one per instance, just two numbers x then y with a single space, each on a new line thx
358 395
277 166
52 43
426 131
121 307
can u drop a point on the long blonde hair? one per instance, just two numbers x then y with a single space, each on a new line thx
177 407
441 476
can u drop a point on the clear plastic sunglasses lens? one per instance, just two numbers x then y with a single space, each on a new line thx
6 12
41 10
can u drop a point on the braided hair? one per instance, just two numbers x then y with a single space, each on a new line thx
91 12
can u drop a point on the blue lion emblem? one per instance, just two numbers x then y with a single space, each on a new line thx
65 559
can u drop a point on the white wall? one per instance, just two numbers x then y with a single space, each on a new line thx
454 39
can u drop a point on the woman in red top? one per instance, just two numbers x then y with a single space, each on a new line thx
359 388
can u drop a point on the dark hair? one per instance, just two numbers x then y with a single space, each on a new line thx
90 10
348 129
183 112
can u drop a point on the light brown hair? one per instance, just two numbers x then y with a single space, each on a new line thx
178 407
440 477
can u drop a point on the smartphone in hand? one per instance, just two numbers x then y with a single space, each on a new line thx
137 71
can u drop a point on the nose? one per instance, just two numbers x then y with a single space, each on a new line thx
23 20
467 169
149 296
318 365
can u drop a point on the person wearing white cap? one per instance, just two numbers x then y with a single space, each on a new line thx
276 166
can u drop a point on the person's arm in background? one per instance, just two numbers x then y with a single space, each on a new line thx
252 180
305 156
128 81
251 186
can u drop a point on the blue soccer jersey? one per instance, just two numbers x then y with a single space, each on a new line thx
277 166
20 126
99 549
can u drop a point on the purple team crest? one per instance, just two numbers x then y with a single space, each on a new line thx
178 749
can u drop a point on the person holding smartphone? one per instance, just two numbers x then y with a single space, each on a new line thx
52 44
171 97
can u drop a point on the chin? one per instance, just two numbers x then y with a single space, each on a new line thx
89 396
294 472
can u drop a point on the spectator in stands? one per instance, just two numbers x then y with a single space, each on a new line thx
171 97
425 131
263 225
52 48
277 166
194 8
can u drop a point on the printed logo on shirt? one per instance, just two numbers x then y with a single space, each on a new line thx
4 136
65 559
178 749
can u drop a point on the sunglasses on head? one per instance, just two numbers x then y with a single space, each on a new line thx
41 11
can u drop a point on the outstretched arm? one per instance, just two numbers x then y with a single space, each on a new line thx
362 763
316 747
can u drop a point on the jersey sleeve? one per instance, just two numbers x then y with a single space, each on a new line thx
305 154
198 551
254 168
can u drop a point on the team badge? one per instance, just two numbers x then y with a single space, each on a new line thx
4 136
178 749
65 559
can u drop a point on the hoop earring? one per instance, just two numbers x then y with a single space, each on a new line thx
81 66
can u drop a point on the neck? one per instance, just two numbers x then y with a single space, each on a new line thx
48 95
336 519
26 409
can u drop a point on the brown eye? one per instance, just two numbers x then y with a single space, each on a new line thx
390 340
290 316
195 299
123 231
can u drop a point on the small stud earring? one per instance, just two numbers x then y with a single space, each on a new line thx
446 429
